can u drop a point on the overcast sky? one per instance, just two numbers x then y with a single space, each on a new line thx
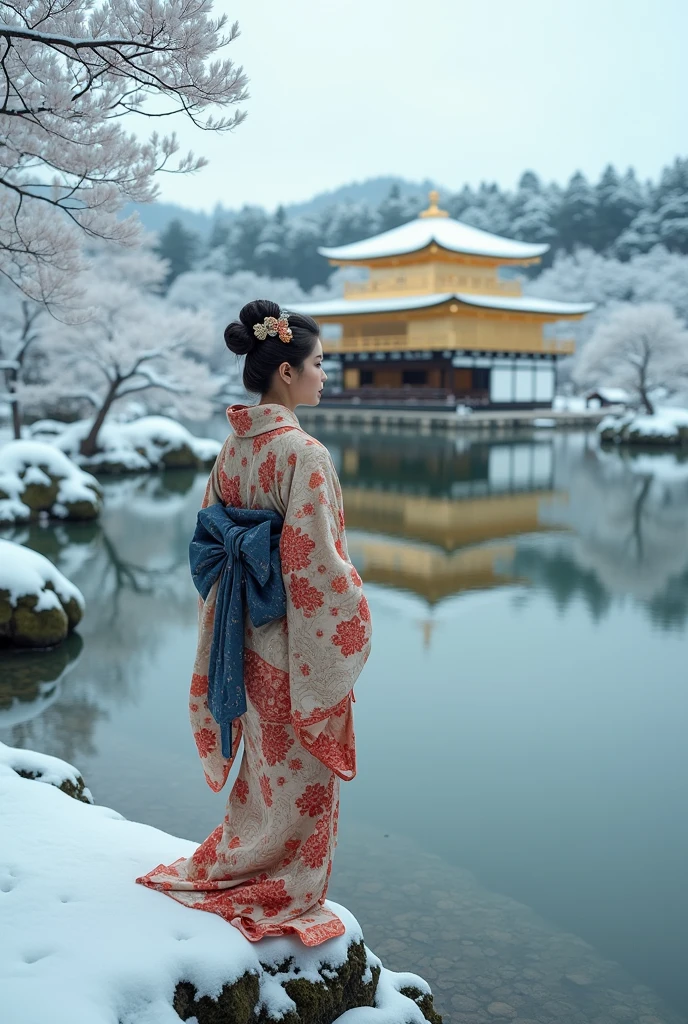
452 90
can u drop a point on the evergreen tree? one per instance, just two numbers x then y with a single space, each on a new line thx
576 218
395 210
618 203
671 206
243 237
179 247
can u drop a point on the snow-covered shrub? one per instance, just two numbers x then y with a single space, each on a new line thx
153 442
36 477
665 427
38 605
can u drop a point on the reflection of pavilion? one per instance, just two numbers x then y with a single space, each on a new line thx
455 537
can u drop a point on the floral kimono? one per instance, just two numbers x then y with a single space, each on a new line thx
266 868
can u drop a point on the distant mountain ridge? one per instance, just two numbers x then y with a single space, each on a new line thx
156 216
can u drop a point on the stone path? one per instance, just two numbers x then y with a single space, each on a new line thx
487 957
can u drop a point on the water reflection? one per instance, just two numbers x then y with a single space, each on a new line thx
132 568
504 578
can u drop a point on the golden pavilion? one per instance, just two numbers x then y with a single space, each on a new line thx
441 319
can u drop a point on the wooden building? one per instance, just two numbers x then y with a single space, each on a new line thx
439 320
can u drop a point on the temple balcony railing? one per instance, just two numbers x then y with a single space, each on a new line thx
429 286
437 343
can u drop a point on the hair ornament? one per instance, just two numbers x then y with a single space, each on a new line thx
274 327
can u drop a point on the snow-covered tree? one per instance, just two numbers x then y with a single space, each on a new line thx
22 325
135 345
640 349
69 71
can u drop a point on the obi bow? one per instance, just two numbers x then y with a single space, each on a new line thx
240 547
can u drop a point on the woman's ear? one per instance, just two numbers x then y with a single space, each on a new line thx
285 372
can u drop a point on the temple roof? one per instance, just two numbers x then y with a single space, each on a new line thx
447 233
516 304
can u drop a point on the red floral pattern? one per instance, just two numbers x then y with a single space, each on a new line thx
241 790
350 636
316 480
199 685
266 472
304 596
275 741
267 688
230 488
295 548
340 584
240 419
315 849
266 790
205 741
313 801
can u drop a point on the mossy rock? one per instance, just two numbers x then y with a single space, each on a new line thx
424 1001
41 497
38 628
179 458
23 625
321 1002
76 791
82 510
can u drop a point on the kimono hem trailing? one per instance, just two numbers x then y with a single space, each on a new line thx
266 868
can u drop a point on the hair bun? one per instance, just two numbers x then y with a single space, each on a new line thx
239 336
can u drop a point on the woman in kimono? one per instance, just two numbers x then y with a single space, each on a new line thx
266 868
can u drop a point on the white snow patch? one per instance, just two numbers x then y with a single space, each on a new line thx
23 463
81 941
23 572
139 445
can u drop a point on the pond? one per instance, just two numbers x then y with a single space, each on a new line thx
517 832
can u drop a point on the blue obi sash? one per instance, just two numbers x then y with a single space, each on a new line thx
240 546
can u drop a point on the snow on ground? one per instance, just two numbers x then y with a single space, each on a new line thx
667 424
24 572
81 941
60 488
143 444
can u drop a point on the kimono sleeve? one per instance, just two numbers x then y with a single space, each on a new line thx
206 731
328 619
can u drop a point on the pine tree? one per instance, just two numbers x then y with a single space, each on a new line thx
576 218
618 203
179 247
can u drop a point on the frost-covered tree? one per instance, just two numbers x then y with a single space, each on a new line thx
69 71
179 247
22 325
640 349
135 344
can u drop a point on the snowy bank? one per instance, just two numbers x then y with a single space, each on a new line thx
80 941
666 427
38 605
152 442
36 477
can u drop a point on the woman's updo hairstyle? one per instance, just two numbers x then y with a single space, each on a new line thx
263 357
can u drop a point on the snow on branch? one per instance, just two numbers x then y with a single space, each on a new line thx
68 73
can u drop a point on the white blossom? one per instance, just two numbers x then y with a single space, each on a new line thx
69 72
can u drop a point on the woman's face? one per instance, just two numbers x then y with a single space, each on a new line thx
308 384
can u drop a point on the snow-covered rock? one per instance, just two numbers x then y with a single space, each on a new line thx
38 605
153 442
667 426
36 477
81 941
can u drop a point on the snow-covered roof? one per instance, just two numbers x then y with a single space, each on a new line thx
512 303
445 232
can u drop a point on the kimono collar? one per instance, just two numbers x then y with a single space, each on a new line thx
249 420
